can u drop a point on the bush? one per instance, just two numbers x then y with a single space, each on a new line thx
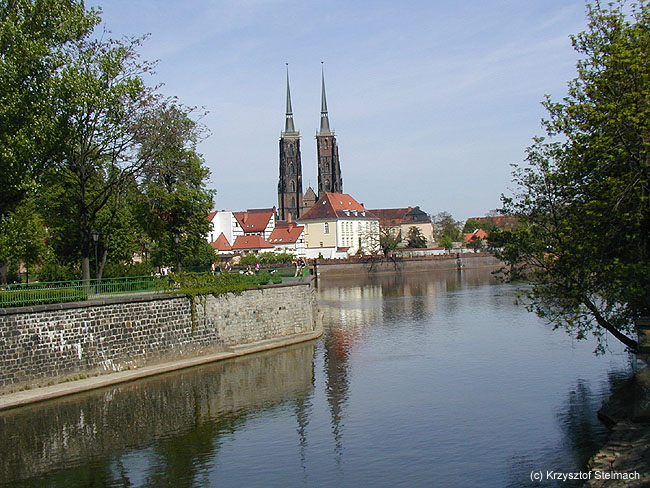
21 296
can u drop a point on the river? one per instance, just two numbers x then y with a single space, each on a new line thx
436 379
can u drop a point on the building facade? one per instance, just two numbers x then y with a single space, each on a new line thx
338 221
329 167
290 181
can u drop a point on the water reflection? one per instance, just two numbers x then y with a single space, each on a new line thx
431 379
179 418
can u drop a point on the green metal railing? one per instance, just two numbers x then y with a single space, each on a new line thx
40 293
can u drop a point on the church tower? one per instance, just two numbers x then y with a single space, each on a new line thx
329 169
290 182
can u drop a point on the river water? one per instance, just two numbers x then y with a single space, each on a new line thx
436 379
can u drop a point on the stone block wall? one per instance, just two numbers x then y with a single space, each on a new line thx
336 267
49 343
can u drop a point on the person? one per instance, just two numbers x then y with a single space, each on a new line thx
257 268
212 268
228 267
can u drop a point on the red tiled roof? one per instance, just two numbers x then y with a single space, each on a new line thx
211 216
286 234
245 243
254 220
335 205
477 235
221 244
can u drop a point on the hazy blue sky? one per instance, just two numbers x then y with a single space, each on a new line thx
430 100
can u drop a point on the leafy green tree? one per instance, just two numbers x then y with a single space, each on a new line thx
23 238
472 224
446 242
415 238
583 205
34 35
110 133
446 228
175 199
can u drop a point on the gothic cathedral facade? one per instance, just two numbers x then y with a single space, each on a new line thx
290 182
291 202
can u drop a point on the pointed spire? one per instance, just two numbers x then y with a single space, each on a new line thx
324 119
288 125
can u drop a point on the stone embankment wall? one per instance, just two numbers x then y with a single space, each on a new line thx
49 343
336 267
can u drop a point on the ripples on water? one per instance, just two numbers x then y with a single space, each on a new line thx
419 379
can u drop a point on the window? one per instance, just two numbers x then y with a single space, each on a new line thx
325 144
291 171
291 150
293 201
327 228
293 186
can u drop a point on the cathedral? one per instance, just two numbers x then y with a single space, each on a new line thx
292 204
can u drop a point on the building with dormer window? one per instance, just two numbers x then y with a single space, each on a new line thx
338 221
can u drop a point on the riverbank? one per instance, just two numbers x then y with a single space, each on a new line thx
26 397
50 345
626 455
327 268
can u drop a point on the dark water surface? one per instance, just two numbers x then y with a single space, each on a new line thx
419 380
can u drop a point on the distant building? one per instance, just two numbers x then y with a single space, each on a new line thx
329 167
222 246
222 222
338 221
400 220
227 226
288 237
259 221
308 200
290 181
251 244
292 204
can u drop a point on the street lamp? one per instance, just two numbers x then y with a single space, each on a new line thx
145 248
178 254
95 236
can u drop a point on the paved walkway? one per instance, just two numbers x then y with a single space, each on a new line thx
27 397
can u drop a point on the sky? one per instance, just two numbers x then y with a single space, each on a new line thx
431 101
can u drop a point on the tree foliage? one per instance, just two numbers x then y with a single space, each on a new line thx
389 238
100 150
582 204
415 238
446 228
34 38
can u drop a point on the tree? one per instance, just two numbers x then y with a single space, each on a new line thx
415 238
389 238
472 224
34 37
583 207
22 238
446 228
175 198
106 113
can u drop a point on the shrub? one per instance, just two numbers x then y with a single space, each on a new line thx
21 296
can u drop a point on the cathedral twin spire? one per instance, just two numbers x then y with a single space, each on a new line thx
290 198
